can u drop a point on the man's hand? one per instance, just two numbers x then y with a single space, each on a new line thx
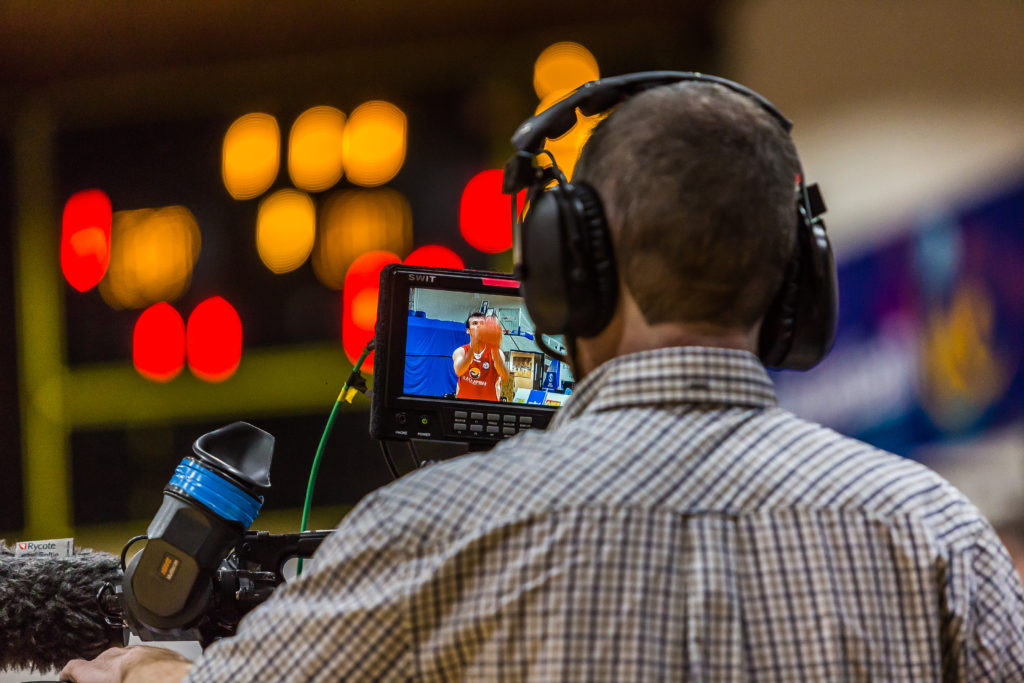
135 664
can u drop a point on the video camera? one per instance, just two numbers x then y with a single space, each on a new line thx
202 569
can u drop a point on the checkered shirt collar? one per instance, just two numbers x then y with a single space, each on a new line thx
691 374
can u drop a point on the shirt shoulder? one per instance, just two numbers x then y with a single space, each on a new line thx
815 466
684 459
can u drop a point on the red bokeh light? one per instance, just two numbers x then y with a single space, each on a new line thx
158 343
213 340
485 214
359 303
435 256
85 239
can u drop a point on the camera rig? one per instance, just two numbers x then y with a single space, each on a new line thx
246 577
202 569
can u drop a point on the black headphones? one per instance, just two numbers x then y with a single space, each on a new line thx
563 248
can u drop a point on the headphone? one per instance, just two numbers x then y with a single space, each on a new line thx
563 247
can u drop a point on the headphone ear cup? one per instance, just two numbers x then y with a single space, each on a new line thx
800 325
540 269
567 269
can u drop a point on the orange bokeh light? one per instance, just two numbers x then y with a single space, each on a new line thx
353 222
251 155
158 343
364 308
374 142
213 340
153 252
285 230
315 148
485 214
562 67
85 238
359 303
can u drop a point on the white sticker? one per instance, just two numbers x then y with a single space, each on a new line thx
55 547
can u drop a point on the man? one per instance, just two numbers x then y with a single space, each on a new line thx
480 365
673 522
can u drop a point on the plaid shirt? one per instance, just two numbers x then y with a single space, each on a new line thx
673 523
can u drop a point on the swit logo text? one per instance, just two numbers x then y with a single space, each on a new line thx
419 277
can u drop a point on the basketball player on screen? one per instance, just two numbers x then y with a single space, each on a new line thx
479 365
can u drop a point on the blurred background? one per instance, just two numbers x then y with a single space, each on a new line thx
194 196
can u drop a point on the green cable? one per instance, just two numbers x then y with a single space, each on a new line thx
308 504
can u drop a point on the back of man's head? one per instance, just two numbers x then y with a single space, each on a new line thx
698 186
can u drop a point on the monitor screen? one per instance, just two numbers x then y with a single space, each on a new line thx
457 359
493 337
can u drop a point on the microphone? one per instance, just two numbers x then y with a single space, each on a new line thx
49 612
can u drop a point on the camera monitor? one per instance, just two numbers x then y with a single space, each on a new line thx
457 362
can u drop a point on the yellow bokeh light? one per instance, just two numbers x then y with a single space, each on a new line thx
566 149
152 252
251 155
315 148
285 230
374 143
562 67
353 222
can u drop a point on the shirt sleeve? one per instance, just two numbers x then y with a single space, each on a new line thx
346 618
984 624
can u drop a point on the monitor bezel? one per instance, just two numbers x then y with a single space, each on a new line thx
388 396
